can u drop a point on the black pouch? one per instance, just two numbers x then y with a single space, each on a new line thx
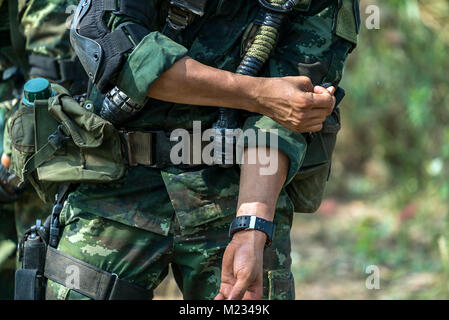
30 280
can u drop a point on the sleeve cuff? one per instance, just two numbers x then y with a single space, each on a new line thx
154 55
293 144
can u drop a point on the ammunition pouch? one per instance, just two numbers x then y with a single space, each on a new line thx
60 140
100 51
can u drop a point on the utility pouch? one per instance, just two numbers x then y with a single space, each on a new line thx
307 188
29 280
61 140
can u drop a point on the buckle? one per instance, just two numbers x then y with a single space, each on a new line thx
139 148
178 19
58 138
112 286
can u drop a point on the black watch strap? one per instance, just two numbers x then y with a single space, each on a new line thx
252 223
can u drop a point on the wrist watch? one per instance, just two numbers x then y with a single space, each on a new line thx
243 223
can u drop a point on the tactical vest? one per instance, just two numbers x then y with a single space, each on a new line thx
95 47
62 140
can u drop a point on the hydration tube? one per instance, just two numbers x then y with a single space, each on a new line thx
273 13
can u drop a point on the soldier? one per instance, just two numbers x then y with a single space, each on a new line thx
36 38
122 236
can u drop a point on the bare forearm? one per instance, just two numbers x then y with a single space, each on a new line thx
242 269
259 193
293 102
191 82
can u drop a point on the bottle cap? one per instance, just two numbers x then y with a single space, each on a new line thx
36 89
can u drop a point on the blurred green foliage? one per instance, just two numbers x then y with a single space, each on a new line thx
389 190
396 113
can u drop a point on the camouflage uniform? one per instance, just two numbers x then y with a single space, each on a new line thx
40 28
139 225
44 26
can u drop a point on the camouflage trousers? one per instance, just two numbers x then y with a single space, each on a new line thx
143 258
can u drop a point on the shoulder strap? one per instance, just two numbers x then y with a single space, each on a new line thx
94 283
55 142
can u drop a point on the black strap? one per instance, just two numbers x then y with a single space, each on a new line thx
153 149
27 285
94 283
58 70
55 228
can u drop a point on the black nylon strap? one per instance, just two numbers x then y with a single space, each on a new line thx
94 283
26 285
58 70
120 41
135 31
139 10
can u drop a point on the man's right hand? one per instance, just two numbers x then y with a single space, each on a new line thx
295 103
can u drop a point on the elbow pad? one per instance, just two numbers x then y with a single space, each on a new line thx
100 50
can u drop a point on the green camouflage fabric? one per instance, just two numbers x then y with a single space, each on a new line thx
139 225
43 25
8 236
143 257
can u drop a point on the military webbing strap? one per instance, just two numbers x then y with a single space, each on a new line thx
57 70
93 282
44 154
154 149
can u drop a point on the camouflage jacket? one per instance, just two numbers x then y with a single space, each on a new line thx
45 24
147 198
